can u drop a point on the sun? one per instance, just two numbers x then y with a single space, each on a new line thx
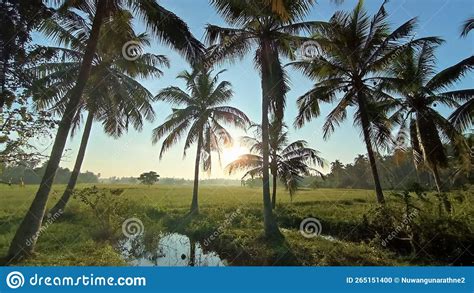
231 154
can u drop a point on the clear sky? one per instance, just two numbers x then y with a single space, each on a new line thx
133 153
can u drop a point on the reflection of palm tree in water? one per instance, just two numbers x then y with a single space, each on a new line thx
192 253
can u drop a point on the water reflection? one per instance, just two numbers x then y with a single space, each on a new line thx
168 250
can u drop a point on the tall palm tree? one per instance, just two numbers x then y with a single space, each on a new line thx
289 162
467 26
112 94
354 51
256 25
421 90
203 118
165 26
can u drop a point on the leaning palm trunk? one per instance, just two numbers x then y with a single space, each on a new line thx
370 152
271 227
437 178
61 204
194 203
29 228
432 147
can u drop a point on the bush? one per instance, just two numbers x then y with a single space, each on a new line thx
108 208
430 227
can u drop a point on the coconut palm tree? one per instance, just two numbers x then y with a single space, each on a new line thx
202 118
467 26
256 25
354 51
165 26
421 89
112 95
289 162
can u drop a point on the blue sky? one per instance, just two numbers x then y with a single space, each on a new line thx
133 153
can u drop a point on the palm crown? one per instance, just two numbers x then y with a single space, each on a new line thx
112 93
257 25
162 23
203 117
288 161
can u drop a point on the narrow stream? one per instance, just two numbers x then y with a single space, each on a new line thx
178 250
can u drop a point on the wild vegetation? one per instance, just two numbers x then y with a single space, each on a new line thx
351 216
386 74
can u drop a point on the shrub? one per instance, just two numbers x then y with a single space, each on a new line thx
108 208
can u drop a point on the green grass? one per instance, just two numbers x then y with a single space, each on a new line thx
75 238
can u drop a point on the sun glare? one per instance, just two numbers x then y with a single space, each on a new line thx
230 154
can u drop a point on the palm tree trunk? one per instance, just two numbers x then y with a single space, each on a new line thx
270 224
24 241
437 178
274 192
370 152
271 227
61 204
275 179
197 164
192 253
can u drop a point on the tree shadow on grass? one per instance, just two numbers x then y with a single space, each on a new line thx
260 252
280 252
178 223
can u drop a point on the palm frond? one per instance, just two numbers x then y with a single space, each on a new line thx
450 75
169 28
467 26
463 116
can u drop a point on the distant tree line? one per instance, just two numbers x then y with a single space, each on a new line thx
28 175
395 174
173 181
